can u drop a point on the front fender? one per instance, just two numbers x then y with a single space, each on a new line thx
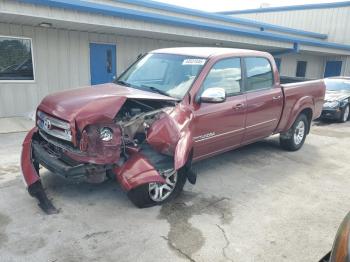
183 149
172 135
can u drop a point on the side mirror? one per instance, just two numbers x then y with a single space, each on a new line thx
213 95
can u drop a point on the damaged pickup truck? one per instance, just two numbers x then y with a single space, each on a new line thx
172 107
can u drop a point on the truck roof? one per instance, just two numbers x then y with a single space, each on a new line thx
206 52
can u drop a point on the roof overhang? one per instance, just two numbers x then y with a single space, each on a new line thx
287 8
236 20
148 17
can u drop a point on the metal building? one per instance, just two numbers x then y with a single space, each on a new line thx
330 19
52 45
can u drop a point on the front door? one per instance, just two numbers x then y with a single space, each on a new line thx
102 63
219 127
264 100
333 68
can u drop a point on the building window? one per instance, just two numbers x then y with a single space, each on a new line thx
301 69
16 59
259 73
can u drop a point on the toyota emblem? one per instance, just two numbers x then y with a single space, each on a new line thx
47 124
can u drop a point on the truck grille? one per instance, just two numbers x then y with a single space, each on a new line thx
54 127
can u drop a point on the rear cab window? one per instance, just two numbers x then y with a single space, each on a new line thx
259 74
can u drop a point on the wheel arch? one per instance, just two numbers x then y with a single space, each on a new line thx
308 113
305 106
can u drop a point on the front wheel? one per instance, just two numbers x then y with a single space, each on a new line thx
151 194
345 114
295 137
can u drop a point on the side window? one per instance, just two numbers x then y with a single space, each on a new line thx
259 73
225 74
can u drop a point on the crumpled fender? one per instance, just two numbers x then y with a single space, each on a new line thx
184 119
163 135
172 134
183 149
29 173
137 170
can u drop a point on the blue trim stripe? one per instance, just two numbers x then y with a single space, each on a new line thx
287 8
84 6
295 50
237 20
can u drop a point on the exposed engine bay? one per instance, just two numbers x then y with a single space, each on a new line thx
136 117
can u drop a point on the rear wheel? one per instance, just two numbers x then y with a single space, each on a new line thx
151 194
345 114
295 137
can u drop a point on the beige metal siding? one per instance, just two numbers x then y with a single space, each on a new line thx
314 68
346 66
61 59
64 18
331 21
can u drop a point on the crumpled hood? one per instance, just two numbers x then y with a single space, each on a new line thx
336 95
95 104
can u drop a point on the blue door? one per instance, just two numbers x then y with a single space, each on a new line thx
102 63
333 68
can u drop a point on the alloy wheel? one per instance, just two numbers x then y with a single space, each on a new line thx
159 192
299 133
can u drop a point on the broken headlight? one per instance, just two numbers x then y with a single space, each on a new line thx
106 134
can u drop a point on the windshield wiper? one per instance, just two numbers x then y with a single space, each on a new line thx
156 90
121 82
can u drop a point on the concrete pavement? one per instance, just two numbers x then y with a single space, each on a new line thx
258 203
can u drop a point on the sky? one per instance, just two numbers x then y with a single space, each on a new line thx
229 5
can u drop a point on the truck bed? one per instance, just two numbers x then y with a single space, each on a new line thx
298 95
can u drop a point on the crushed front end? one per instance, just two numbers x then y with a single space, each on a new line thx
136 147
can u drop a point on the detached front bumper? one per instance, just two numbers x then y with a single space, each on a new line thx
30 172
34 154
137 170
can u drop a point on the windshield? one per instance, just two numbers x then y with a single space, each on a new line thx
337 84
167 74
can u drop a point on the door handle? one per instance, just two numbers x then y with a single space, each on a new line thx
276 98
238 106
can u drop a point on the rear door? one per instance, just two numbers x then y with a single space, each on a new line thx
220 126
264 99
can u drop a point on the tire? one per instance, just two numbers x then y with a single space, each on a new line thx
344 116
294 139
141 196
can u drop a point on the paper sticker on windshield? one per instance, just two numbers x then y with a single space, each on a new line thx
193 62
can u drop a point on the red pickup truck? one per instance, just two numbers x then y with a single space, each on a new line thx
170 108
